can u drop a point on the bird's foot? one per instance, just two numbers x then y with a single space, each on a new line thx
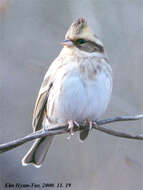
94 123
90 123
71 125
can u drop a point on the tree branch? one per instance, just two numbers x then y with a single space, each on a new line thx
64 129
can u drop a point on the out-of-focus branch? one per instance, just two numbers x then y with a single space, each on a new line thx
64 129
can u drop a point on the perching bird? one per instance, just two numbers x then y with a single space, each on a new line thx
76 88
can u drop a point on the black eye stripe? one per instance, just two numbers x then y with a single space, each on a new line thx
88 46
80 41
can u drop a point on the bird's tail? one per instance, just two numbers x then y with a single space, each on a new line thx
38 151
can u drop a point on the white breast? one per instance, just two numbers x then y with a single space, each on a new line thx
75 98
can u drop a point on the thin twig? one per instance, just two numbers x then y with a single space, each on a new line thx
64 129
120 118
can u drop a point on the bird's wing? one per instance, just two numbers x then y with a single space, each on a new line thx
39 112
39 109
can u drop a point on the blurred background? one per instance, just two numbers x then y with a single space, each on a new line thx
30 36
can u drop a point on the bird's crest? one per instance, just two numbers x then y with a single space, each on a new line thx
80 29
78 25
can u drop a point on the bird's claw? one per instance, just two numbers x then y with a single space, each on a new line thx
71 125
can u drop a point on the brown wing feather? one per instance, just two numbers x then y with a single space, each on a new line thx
39 109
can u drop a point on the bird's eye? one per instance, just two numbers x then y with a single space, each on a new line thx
80 41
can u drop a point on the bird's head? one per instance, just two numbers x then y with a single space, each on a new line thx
79 35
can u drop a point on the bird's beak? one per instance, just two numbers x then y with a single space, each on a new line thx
67 43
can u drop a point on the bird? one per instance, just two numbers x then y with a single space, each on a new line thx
76 88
